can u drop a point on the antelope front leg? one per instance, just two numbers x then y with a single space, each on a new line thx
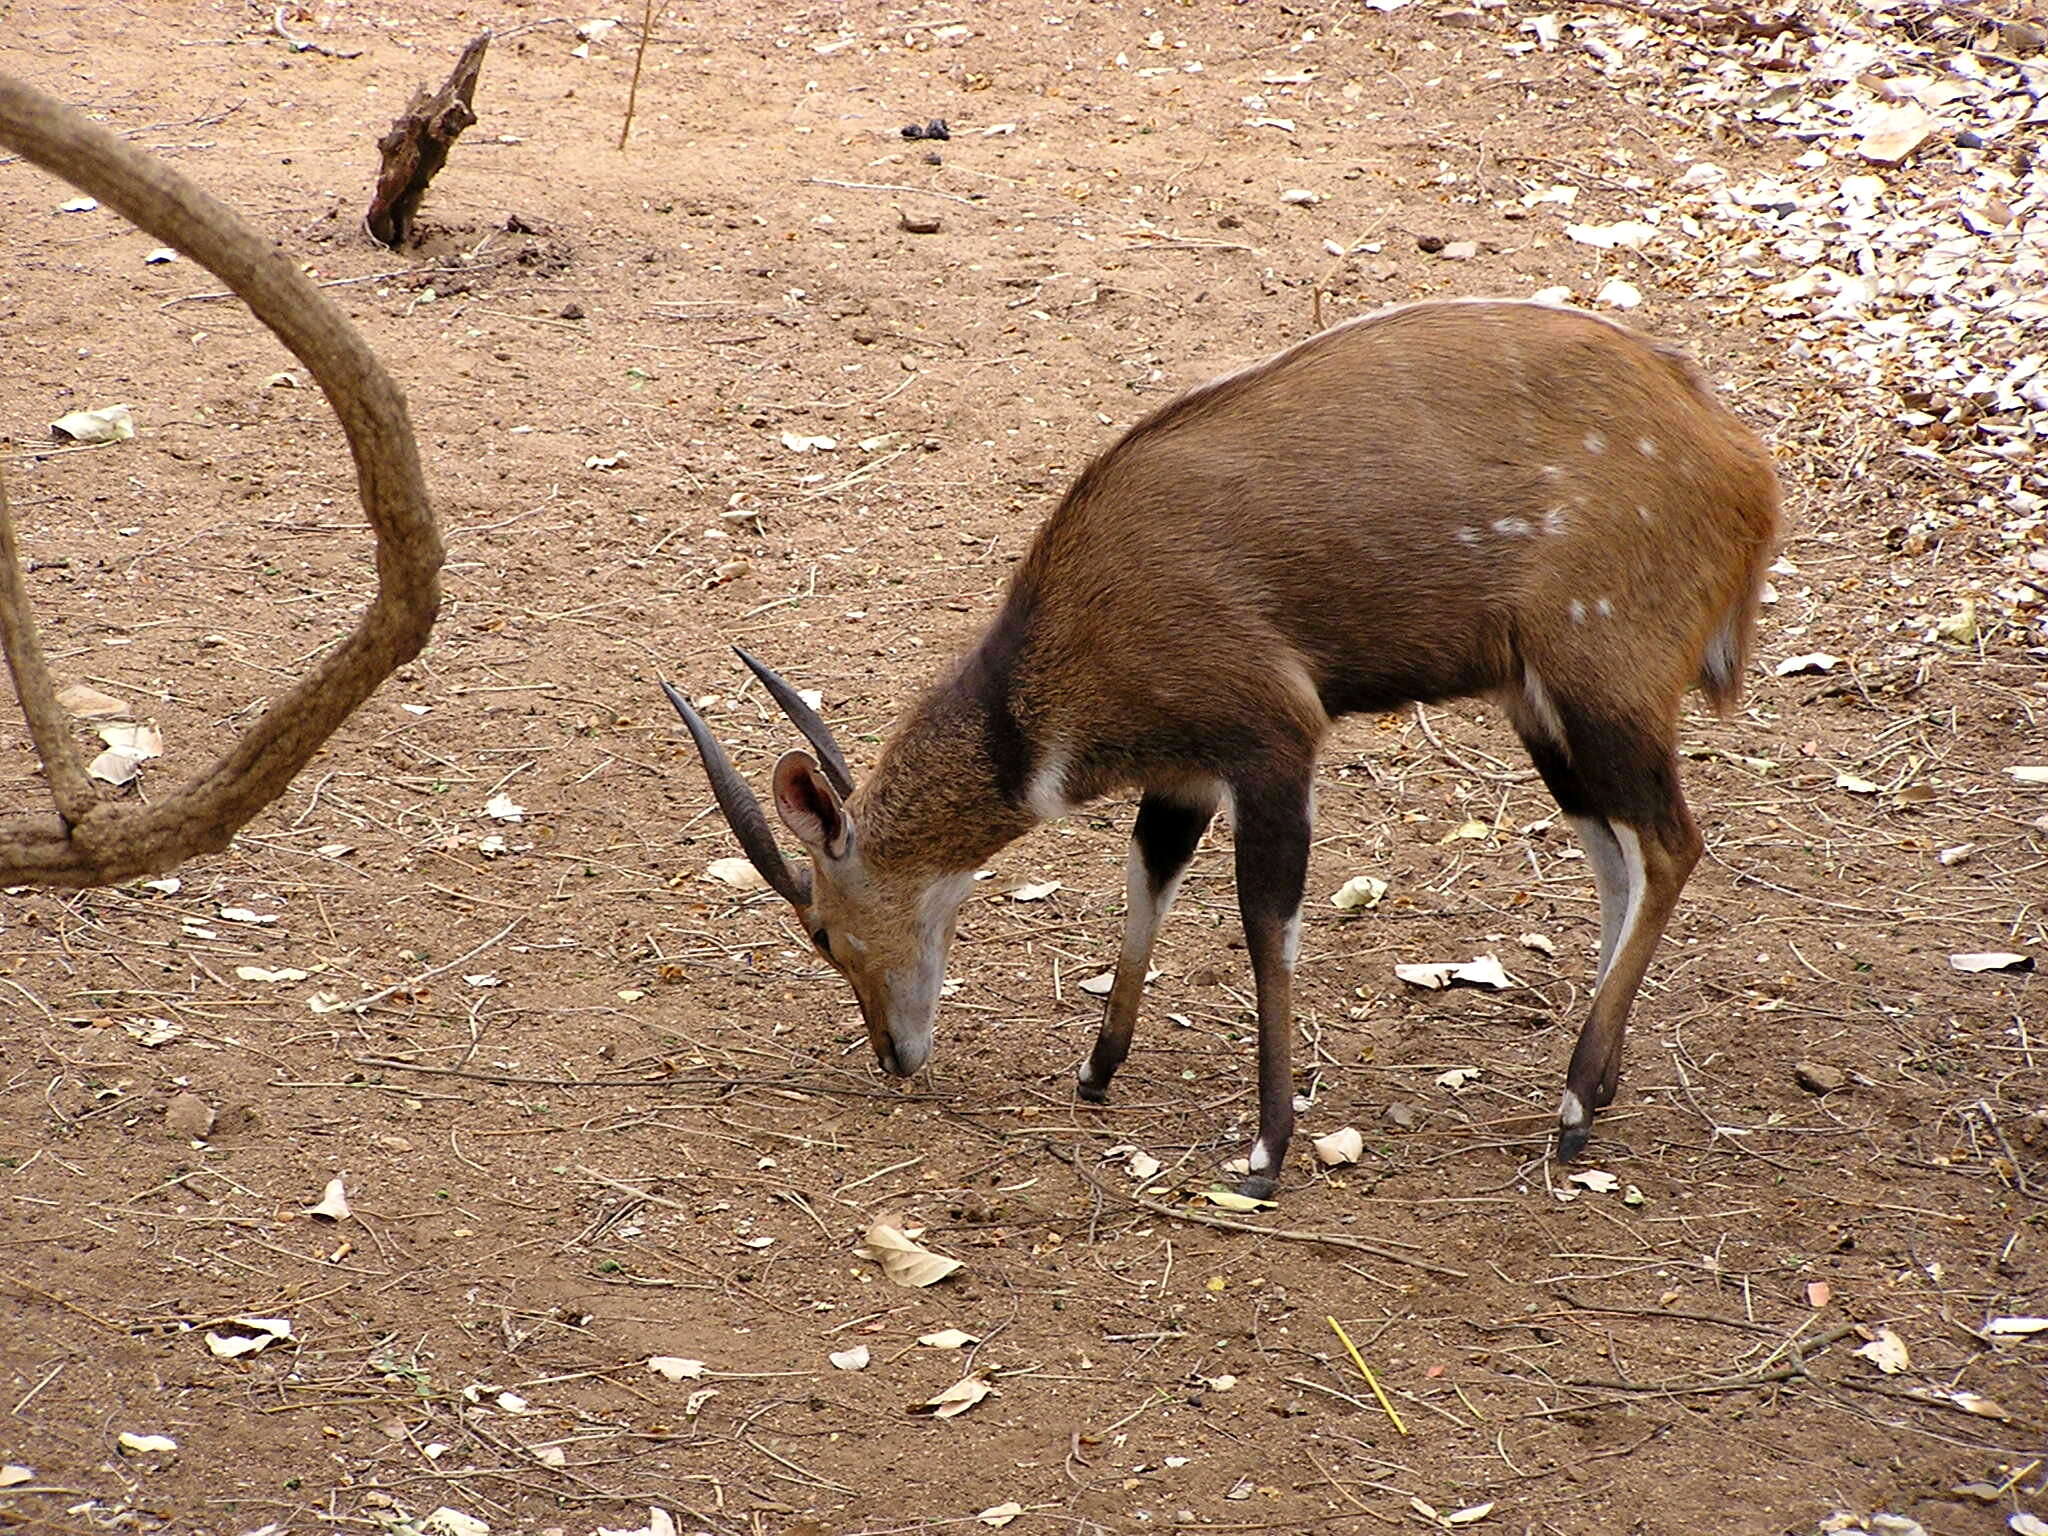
1272 867
1163 839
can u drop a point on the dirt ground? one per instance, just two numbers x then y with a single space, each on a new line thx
595 1107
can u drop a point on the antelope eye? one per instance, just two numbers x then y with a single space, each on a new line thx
824 942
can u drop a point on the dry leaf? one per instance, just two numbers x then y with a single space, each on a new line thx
1479 971
1627 235
2016 1327
2028 775
502 807
253 1336
1141 1165
453 1522
1098 986
1037 890
1358 891
265 973
1618 293
1231 1200
902 1260
1888 135
128 746
675 1367
1000 1515
1887 1352
549 1455
13 1476
956 1399
144 1445
796 442
333 1203
659 1521
1339 1147
947 1338
1598 1181
108 424
740 874
1458 1077
1813 661
1467 831
854 1359
1969 1402
1997 960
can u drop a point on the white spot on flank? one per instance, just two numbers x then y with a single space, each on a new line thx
1644 516
1513 527
1595 443
1604 608
1577 610
1551 472
1553 520
1647 447
1468 535
1045 795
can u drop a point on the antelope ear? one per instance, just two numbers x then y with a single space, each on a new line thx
810 807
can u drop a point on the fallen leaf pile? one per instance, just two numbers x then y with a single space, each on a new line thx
1901 249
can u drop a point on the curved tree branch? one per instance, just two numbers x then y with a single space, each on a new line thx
108 841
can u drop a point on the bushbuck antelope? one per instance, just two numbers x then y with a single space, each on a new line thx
1436 501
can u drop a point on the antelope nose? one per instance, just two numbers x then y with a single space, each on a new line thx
902 1058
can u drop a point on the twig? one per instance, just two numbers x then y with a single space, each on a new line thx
1742 1383
875 186
1365 1370
363 1004
640 53
299 44
1285 1234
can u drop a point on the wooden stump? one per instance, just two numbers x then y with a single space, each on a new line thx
417 146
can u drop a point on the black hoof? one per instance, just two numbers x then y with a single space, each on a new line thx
1571 1141
1090 1093
1259 1186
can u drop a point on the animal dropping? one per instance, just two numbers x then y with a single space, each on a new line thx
1521 502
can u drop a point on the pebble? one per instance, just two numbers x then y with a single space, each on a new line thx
1818 1077
187 1117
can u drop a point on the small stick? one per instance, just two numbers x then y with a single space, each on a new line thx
364 1004
633 90
1365 1370
883 186
1285 1234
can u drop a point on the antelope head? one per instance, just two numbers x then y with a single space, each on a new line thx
885 928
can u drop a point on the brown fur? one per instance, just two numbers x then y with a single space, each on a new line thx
1280 547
